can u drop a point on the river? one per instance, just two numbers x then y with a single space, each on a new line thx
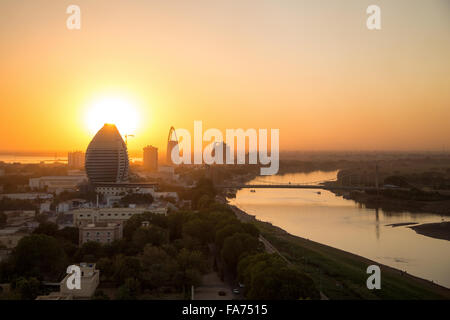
323 217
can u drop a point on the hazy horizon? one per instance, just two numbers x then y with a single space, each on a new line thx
138 153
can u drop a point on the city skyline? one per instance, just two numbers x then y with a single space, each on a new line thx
255 152
313 71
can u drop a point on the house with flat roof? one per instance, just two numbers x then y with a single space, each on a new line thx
123 188
85 216
100 232
90 279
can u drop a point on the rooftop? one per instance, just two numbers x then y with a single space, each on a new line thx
126 185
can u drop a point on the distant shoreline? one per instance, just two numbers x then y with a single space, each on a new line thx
437 230
386 204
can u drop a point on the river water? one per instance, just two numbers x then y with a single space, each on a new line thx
329 219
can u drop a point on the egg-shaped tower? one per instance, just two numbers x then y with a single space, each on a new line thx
107 156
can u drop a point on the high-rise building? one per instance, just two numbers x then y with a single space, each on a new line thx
150 159
107 156
75 159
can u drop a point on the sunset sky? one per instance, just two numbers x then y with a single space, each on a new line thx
309 68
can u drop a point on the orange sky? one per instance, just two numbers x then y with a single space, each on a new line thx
311 69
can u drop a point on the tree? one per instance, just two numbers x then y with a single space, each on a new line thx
136 198
28 288
48 228
282 284
251 229
190 265
69 248
203 202
296 285
227 231
119 247
267 277
90 251
187 259
158 267
7 272
187 278
200 229
41 218
105 265
175 223
100 295
204 191
152 234
236 246
126 267
135 222
130 290
40 256
70 234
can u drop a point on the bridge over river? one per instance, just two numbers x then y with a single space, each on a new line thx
297 186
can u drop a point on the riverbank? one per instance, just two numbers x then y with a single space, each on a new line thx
340 274
439 230
390 204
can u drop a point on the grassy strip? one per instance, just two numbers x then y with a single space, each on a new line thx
342 275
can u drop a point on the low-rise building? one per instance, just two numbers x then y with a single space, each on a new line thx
166 195
9 238
72 204
82 217
185 204
27 196
168 170
100 232
121 189
160 207
31 225
165 173
90 279
112 201
63 206
45 206
58 184
19 217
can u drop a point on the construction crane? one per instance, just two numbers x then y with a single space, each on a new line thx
126 138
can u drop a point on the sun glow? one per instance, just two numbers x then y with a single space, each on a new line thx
115 110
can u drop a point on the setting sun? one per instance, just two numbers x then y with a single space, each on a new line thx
116 110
